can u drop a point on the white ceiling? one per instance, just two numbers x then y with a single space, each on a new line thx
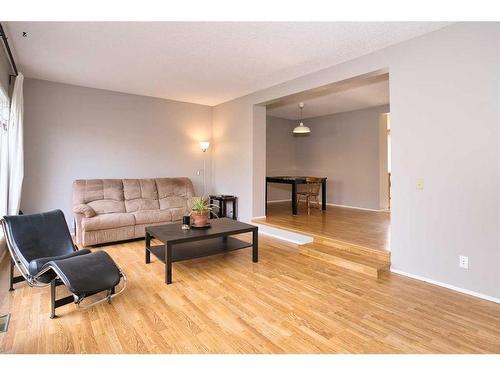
199 62
358 97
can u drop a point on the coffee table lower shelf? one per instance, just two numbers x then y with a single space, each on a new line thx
200 249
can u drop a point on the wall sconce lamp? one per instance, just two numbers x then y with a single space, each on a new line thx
204 147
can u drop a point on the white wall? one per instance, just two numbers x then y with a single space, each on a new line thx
383 161
445 120
343 147
74 132
233 144
281 158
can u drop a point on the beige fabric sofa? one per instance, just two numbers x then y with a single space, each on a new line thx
119 209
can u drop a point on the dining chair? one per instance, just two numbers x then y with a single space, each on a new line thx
313 184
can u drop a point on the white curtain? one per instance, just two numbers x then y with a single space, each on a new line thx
11 155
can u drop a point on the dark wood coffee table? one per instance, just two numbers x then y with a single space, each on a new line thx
181 244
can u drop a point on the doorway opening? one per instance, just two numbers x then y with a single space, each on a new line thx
348 144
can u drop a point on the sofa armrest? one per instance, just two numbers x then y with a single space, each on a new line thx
84 209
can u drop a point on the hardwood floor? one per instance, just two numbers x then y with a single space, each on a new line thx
359 227
286 303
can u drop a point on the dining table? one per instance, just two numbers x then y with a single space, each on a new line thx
294 181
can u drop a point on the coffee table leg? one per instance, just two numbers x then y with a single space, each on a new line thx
148 246
168 264
255 245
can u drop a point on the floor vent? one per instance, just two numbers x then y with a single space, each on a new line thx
4 322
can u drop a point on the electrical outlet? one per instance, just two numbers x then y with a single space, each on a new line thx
420 184
463 262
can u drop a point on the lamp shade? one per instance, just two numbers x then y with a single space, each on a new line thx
301 129
204 145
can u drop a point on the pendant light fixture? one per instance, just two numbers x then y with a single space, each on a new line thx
301 128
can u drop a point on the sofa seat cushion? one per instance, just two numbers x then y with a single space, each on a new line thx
108 221
152 216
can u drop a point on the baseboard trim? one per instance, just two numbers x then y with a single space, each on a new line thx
447 286
284 235
280 238
335 205
356 208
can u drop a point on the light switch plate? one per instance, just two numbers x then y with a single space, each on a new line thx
463 261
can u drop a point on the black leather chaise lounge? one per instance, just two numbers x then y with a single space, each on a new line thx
42 250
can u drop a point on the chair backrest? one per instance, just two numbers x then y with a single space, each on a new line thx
313 184
38 235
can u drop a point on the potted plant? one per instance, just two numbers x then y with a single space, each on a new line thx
200 209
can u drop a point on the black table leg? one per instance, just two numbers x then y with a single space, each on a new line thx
323 195
211 203
255 245
148 246
266 200
168 263
235 207
294 198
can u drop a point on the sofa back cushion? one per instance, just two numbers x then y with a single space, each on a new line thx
132 195
174 192
104 196
140 194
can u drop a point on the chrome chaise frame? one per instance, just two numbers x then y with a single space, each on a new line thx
33 281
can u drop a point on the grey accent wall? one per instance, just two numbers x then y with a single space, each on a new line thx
280 155
73 132
445 129
343 147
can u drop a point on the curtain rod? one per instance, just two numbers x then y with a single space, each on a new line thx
9 52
